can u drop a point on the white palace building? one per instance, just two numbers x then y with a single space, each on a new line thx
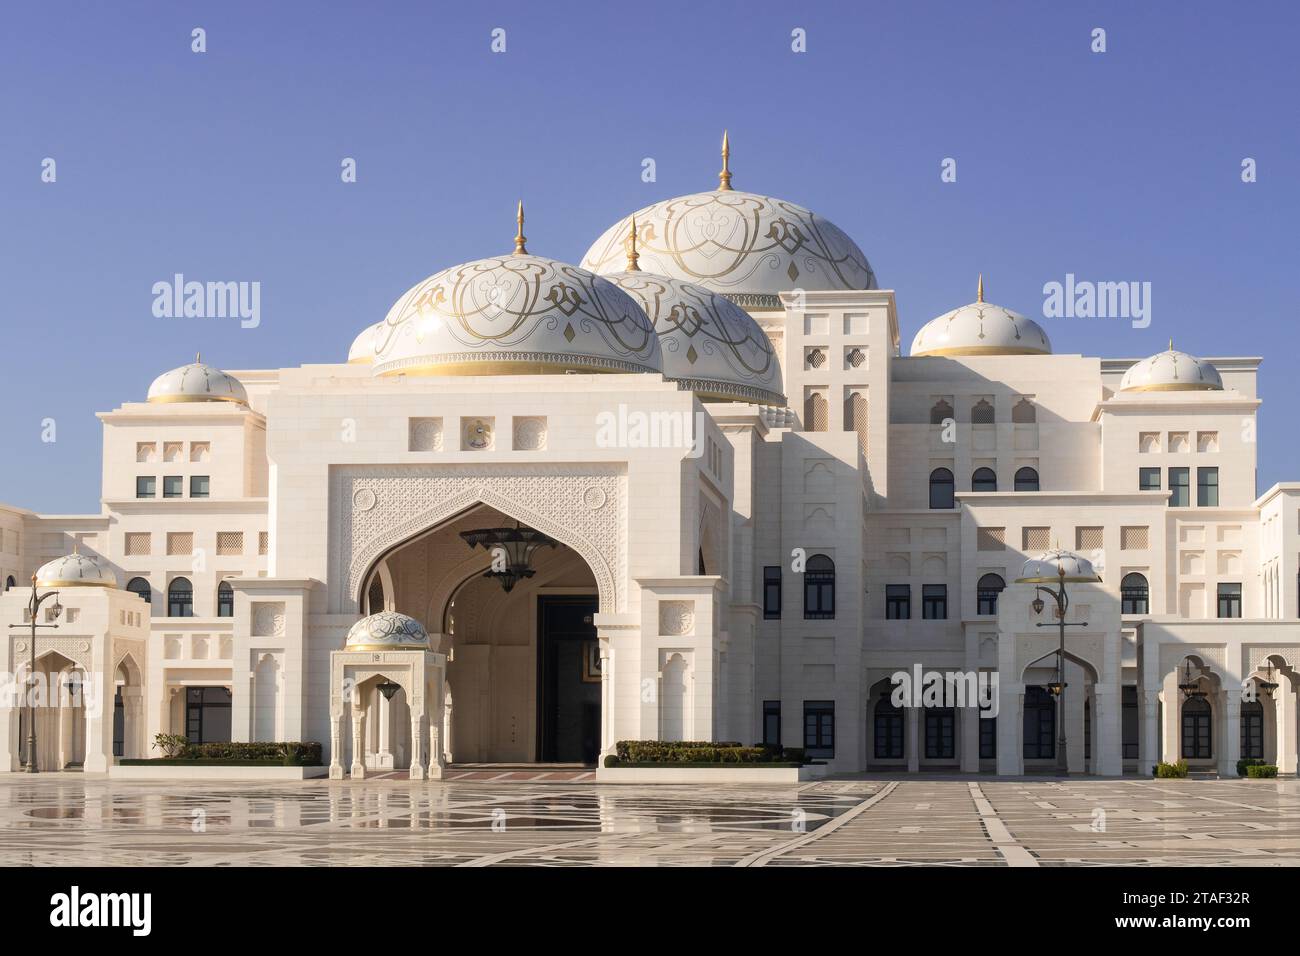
690 489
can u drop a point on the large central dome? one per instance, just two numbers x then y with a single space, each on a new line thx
746 246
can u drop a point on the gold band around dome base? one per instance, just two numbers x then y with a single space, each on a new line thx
1052 579
980 350
361 361
514 367
1173 387
185 399
371 648
60 583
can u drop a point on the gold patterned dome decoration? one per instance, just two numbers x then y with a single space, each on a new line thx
515 314
76 571
196 382
981 328
1171 371
1047 568
388 631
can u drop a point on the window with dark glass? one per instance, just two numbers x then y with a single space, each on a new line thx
772 592
1197 737
819 588
988 737
984 479
207 714
1229 600
1207 487
1039 724
146 486
1178 489
940 738
1134 594
888 729
198 486
375 595
986 593
173 486
180 598
225 600
898 602
772 722
940 412
141 587
934 602
941 489
819 728
1026 479
1148 479
1252 730
1129 721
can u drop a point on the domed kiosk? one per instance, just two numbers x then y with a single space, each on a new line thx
746 246
196 382
76 571
981 328
1172 371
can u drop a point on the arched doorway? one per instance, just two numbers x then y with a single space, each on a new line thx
57 698
524 672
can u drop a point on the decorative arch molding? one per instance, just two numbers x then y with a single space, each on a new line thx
1212 657
1257 657
374 509
129 655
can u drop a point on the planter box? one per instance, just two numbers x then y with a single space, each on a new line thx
179 771
685 773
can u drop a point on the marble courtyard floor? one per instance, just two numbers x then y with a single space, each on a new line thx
88 820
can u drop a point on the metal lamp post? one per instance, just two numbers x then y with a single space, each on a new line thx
33 606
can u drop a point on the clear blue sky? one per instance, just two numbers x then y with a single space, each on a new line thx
225 166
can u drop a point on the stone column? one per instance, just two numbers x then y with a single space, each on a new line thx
606 701
1074 696
358 745
1285 717
384 735
1149 738
336 743
1171 733
1228 746
1108 738
970 737
446 752
913 739
417 744
1011 702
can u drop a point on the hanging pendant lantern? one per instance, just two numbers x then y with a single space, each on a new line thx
512 551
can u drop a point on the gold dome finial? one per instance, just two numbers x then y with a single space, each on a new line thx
520 249
1171 345
979 289
198 359
724 177
632 256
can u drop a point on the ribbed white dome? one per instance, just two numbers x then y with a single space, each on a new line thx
710 345
388 630
362 351
1171 371
197 383
746 246
1046 569
521 314
981 328
76 571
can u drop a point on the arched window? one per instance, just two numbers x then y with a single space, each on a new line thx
984 479
375 596
981 413
180 598
941 489
814 413
819 588
986 593
1026 479
940 413
1252 730
1039 724
1022 412
888 728
1134 594
225 600
141 587
1197 738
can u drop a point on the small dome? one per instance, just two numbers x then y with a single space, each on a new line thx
515 314
197 383
389 631
76 571
710 345
1171 371
981 328
362 351
1046 569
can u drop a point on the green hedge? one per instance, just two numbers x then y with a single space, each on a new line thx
1242 766
204 762
1171 769
288 753
633 752
612 761
1261 770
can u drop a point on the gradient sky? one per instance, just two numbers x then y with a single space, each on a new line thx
225 166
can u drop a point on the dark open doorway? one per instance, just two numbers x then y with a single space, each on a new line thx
568 680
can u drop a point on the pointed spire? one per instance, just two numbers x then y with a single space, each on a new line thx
76 546
520 249
979 289
198 359
632 256
724 177
1171 345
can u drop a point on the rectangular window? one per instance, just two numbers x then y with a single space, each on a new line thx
173 486
1089 539
1036 540
940 736
137 543
772 592
934 602
180 542
1207 487
988 737
1178 487
1229 600
230 542
1134 538
146 486
772 722
1129 720
990 539
198 486
889 732
1148 479
819 728
263 542
898 602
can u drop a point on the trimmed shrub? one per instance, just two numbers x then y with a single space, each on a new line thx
701 752
288 753
1243 765
1261 770
1172 769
